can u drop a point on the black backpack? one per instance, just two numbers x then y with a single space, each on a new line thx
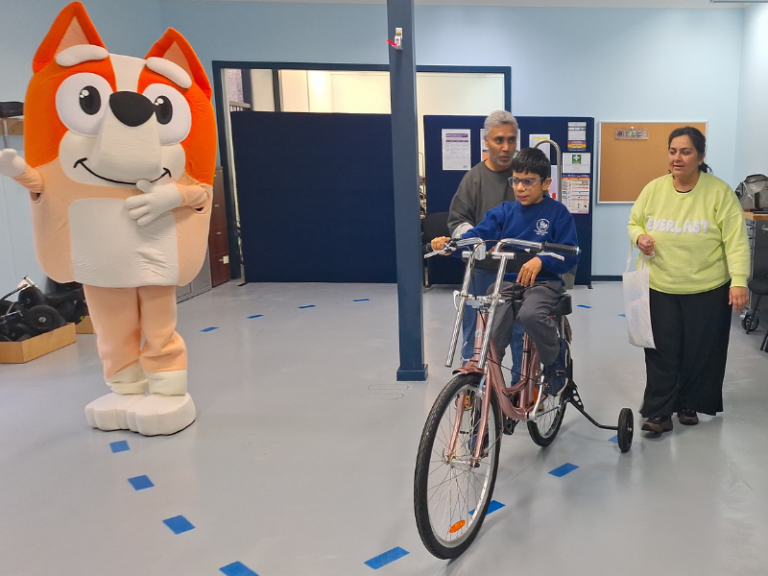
753 192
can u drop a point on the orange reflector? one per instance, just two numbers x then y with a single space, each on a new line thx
456 527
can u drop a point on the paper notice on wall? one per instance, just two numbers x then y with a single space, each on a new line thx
577 136
534 139
456 151
576 194
576 163
553 185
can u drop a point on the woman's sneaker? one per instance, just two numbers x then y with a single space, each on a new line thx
555 375
658 424
688 417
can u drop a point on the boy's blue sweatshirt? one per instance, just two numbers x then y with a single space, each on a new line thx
545 221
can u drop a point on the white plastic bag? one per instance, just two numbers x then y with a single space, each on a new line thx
637 304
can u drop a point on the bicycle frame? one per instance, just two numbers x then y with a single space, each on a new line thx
517 402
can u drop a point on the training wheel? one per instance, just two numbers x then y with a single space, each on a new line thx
625 429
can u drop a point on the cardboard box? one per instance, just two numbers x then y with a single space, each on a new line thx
85 326
21 352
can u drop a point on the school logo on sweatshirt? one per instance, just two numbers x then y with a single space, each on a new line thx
542 226
688 227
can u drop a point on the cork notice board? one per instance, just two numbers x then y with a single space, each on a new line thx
631 155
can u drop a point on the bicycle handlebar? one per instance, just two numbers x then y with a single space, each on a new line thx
535 247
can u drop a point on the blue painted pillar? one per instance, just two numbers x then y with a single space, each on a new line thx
402 81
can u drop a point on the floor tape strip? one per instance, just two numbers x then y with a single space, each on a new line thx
561 471
237 569
387 558
120 446
178 524
141 482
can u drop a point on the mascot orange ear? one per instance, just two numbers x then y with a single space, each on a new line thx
72 26
174 47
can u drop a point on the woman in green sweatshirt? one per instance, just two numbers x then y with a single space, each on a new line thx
691 226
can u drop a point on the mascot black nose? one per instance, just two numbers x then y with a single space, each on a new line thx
130 108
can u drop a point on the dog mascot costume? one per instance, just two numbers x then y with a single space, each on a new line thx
119 163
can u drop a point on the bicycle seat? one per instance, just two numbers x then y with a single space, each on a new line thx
563 306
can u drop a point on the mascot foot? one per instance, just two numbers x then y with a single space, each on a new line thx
158 414
110 412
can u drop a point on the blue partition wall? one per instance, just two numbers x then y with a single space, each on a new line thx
315 194
442 184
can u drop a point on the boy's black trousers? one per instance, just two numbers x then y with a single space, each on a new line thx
687 368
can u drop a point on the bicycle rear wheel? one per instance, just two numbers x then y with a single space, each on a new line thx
451 493
544 428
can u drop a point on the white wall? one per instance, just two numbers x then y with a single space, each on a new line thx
611 64
752 127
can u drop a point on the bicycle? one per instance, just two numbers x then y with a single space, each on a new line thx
458 452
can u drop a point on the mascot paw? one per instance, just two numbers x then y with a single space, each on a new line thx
11 164
157 414
110 412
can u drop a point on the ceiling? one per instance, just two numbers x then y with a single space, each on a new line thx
538 3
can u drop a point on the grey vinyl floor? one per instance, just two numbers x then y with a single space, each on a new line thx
301 460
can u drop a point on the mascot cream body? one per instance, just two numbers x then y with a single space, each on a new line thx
119 161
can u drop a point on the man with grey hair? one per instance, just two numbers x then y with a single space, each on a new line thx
484 187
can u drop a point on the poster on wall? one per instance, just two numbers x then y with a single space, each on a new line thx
483 147
553 186
576 163
576 194
534 139
577 136
457 154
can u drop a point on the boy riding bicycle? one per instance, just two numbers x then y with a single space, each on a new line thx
538 218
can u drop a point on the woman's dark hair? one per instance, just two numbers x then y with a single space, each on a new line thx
698 139
532 160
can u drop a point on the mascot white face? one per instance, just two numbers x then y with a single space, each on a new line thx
123 136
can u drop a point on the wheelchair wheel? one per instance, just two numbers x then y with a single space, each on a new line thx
750 322
451 493
31 296
625 429
42 318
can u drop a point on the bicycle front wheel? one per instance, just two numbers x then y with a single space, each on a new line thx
452 491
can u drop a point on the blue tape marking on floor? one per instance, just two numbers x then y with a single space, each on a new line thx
209 329
386 558
140 482
492 507
615 440
120 446
237 569
255 316
361 300
561 471
178 524
583 306
308 306
623 315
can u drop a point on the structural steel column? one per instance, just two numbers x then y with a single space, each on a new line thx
402 81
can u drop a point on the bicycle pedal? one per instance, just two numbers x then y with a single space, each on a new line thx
509 426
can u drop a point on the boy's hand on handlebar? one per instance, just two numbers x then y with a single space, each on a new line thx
439 243
529 271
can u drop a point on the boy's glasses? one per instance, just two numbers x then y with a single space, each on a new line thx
526 182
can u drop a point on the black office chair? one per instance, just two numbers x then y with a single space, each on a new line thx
751 320
434 225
